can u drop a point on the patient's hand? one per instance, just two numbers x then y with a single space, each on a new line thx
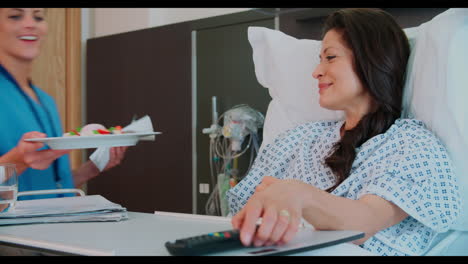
279 203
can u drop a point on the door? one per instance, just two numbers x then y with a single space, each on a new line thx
225 69
57 70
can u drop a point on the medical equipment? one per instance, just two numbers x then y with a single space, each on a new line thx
227 143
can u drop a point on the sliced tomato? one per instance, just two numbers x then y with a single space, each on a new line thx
103 131
76 132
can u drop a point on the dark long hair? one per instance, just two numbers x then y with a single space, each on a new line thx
381 50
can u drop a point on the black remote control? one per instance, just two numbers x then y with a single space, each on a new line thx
204 244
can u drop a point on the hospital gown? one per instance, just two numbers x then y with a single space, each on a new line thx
407 165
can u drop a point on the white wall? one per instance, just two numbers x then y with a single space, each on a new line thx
164 16
108 21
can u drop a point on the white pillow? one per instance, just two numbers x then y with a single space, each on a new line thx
436 89
284 65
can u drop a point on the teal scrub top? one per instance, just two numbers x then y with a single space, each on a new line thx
19 114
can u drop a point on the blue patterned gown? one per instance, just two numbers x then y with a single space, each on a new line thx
407 165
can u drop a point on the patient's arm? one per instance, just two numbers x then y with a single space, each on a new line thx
321 209
369 214
266 181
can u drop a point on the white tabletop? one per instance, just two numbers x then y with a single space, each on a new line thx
142 234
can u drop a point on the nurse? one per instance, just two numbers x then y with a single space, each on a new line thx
375 172
28 112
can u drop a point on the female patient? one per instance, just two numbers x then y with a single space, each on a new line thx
374 172
27 112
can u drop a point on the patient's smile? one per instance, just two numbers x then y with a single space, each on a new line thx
323 86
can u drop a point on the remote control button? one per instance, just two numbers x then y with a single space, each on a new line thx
203 244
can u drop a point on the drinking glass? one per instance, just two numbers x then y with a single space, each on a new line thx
8 186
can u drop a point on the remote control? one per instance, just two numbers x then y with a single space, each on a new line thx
204 244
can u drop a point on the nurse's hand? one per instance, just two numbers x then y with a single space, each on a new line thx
279 204
116 156
30 156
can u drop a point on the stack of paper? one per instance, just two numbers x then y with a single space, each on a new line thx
88 208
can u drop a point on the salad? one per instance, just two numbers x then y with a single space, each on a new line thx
93 130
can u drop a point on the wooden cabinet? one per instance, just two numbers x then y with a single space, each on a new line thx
145 72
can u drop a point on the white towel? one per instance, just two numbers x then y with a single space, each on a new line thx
101 156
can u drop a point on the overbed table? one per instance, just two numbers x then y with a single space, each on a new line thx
143 234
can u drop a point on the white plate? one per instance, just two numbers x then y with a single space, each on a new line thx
84 142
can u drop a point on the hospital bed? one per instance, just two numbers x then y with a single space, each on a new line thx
435 92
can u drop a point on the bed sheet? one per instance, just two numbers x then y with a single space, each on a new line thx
451 243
